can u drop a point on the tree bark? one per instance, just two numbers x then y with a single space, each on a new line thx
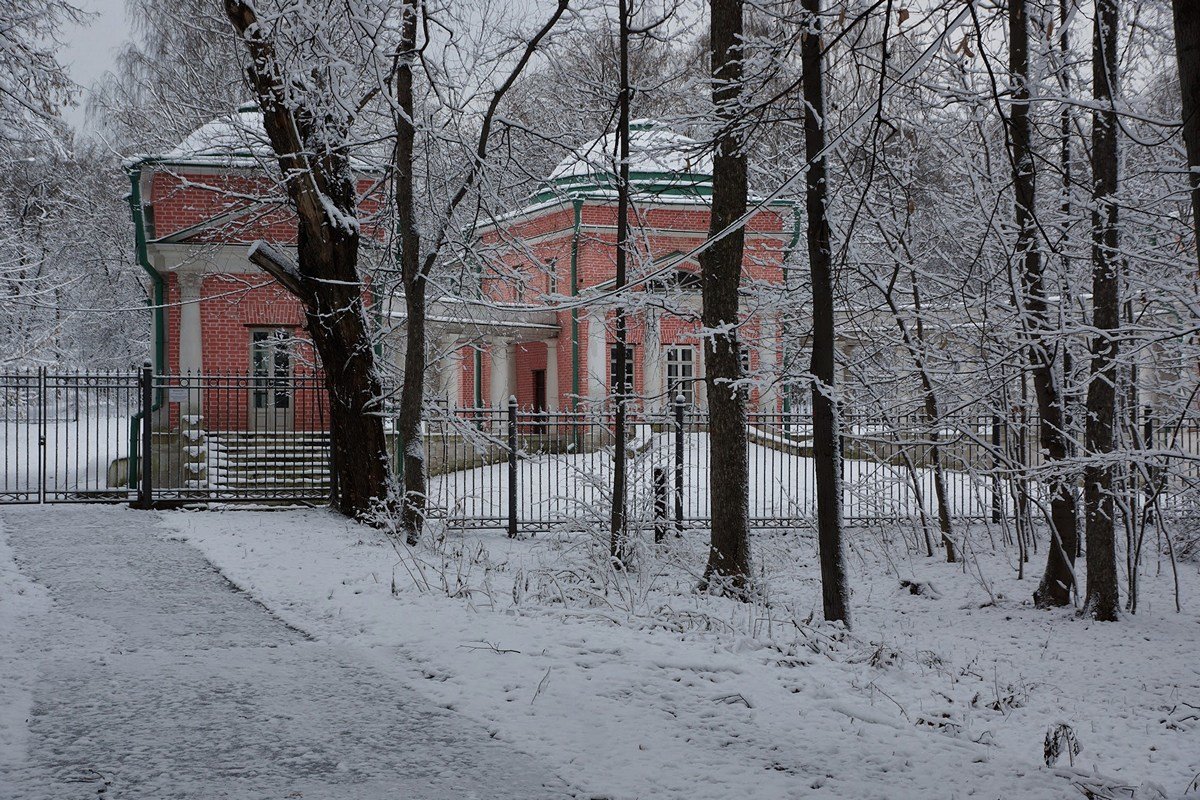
827 455
325 280
1102 601
619 549
1058 578
1187 52
932 416
728 568
416 268
412 279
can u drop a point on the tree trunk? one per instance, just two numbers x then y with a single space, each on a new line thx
1187 52
412 391
619 549
325 279
337 322
728 568
1102 601
932 416
827 455
1058 578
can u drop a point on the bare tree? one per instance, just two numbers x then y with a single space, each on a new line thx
728 568
1102 601
1187 50
416 266
619 550
827 452
308 125
1030 300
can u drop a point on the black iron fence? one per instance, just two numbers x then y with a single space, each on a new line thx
162 440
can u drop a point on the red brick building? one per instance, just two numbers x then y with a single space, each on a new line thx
533 320
196 209
541 329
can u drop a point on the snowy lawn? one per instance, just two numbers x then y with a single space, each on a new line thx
635 686
563 489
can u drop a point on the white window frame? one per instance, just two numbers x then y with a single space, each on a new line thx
682 373
630 372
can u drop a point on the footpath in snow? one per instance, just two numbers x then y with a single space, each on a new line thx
130 668
635 686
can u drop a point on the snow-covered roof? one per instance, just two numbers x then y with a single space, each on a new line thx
660 159
652 148
232 139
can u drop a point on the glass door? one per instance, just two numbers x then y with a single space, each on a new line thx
271 385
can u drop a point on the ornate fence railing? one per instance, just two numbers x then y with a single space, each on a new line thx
172 440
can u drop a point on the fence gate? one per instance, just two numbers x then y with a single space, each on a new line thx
66 438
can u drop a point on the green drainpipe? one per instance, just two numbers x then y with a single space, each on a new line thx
578 204
787 256
157 303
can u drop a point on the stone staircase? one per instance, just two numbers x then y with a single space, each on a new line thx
293 464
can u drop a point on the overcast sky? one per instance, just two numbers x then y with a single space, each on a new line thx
88 50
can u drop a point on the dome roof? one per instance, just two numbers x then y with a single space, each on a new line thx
660 161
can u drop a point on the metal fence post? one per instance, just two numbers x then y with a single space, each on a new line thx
1152 471
997 501
41 435
679 403
146 391
512 467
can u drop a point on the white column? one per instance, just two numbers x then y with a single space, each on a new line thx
501 386
552 346
452 382
597 357
653 363
191 343
768 360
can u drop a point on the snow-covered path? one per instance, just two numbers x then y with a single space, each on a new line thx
130 668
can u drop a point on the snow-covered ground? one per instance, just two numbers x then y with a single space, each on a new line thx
563 489
635 686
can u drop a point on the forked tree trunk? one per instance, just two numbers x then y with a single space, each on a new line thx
325 279
1058 578
827 455
1102 601
728 568
1187 52
416 268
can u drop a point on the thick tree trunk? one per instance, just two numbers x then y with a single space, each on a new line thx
728 568
1187 52
619 549
827 455
1058 578
337 323
322 189
1102 601
412 391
